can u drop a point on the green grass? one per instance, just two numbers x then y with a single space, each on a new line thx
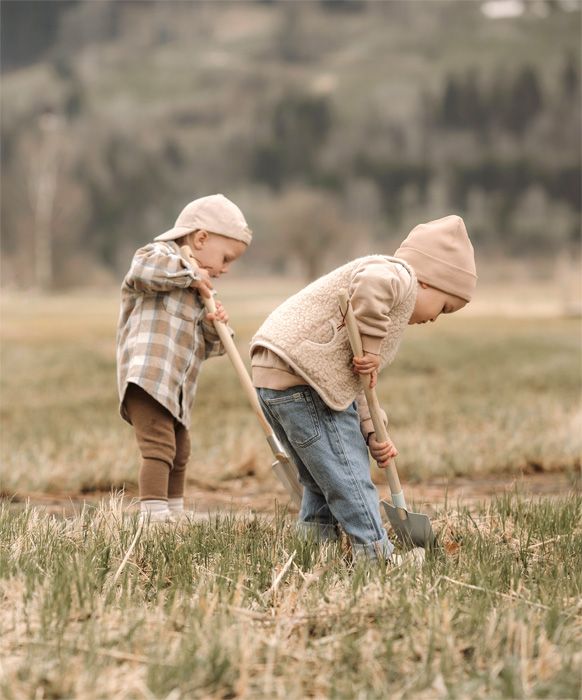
196 612
468 395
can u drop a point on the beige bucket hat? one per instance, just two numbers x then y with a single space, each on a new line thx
215 214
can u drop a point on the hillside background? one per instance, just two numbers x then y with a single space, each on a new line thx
336 125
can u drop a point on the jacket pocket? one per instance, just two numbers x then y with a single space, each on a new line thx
297 415
181 303
325 336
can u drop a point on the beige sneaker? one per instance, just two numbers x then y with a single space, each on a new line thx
415 557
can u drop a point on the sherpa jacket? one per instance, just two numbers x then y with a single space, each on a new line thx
307 332
162 337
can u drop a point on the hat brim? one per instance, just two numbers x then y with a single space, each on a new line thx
173 233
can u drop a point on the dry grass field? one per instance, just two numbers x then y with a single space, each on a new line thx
234 605
481 392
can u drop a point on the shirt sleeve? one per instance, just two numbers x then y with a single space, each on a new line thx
158 268
377 286
366 425
213 344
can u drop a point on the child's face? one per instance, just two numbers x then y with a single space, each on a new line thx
431 303
214 253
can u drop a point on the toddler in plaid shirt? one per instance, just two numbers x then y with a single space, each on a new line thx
164 334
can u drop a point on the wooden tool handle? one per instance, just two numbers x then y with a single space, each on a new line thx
371 396
358 350
235 358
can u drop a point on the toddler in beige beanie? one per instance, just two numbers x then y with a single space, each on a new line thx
306 376
442 256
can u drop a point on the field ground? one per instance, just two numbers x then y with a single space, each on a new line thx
485 409
491 392
246 496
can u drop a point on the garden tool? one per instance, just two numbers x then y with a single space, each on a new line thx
283 467
411 527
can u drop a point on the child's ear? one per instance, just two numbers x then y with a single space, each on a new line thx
199 239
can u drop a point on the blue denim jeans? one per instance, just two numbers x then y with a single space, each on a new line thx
332 459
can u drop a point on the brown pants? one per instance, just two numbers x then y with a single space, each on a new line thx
164 444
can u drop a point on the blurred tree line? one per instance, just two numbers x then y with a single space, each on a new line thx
501 148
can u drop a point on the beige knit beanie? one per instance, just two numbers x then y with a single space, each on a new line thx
442 256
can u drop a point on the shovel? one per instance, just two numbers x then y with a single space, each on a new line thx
283 467
413 528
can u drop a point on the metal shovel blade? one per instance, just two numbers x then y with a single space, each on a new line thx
286 472
410 527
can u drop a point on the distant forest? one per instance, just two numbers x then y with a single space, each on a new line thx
114 115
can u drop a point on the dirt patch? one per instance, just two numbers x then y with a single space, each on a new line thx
249 495
468 491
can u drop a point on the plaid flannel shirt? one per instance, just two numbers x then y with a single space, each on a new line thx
162 337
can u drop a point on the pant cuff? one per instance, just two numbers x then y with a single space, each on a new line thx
319 532
373 551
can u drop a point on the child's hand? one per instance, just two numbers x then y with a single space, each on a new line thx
368 364
220 314
382 452
203 285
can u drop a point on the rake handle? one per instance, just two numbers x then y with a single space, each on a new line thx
371 396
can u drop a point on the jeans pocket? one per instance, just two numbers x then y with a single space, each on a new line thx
297 415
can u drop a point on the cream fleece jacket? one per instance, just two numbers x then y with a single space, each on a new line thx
307 334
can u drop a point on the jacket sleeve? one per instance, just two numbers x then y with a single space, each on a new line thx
213 344
378 285
366 425
158 268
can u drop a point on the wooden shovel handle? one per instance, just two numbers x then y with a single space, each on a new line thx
235 358
371 396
